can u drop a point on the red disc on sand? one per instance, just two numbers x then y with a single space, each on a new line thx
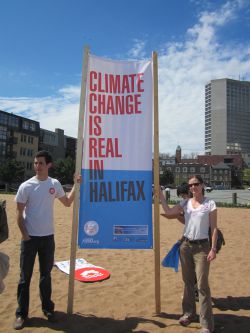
91 274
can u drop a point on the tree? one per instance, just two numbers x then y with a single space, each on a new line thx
236 178
246 176
11 171
167 177
63 170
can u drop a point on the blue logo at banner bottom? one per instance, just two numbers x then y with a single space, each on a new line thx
116 210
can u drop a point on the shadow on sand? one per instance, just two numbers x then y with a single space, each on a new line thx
78 322
230 323
232 303
224 323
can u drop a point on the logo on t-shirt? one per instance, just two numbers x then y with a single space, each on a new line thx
52 190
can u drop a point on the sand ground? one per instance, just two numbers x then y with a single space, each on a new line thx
126 302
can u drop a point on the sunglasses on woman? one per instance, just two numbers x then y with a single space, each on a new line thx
193 184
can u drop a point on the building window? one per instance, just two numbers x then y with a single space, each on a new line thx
184 169
3 119
2 148
10 120
29 152
30 139
32 127
28 165
13 121
22 151
192 169
202 170
3 132
25 124
49 138
177 169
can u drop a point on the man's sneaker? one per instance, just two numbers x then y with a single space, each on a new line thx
18 323
50 315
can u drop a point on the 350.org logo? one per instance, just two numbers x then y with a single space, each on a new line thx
91 228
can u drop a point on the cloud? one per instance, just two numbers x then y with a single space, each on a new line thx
138 50
184 68
60 111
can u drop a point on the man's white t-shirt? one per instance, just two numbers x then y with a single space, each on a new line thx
39 196
197 221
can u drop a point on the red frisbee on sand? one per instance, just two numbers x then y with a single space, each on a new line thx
91 274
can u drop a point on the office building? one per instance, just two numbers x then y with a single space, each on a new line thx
227 117
19 138
57 143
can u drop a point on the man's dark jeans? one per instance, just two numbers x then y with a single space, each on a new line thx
45 247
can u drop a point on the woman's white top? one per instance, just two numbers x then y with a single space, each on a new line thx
197 220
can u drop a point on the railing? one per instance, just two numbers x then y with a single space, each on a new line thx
225 198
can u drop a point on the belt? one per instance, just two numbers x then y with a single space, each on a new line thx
195 241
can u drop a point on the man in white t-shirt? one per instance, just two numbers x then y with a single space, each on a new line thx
35 201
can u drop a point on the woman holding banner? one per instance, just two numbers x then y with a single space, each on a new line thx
200 213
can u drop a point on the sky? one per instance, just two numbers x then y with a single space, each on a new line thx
42 44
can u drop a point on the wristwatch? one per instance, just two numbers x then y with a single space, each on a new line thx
213 249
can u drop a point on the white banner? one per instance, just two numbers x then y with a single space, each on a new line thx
116 194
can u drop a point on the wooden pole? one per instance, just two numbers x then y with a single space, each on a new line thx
156 190
77 186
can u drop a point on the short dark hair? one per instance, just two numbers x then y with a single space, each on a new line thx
44 153
182 189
